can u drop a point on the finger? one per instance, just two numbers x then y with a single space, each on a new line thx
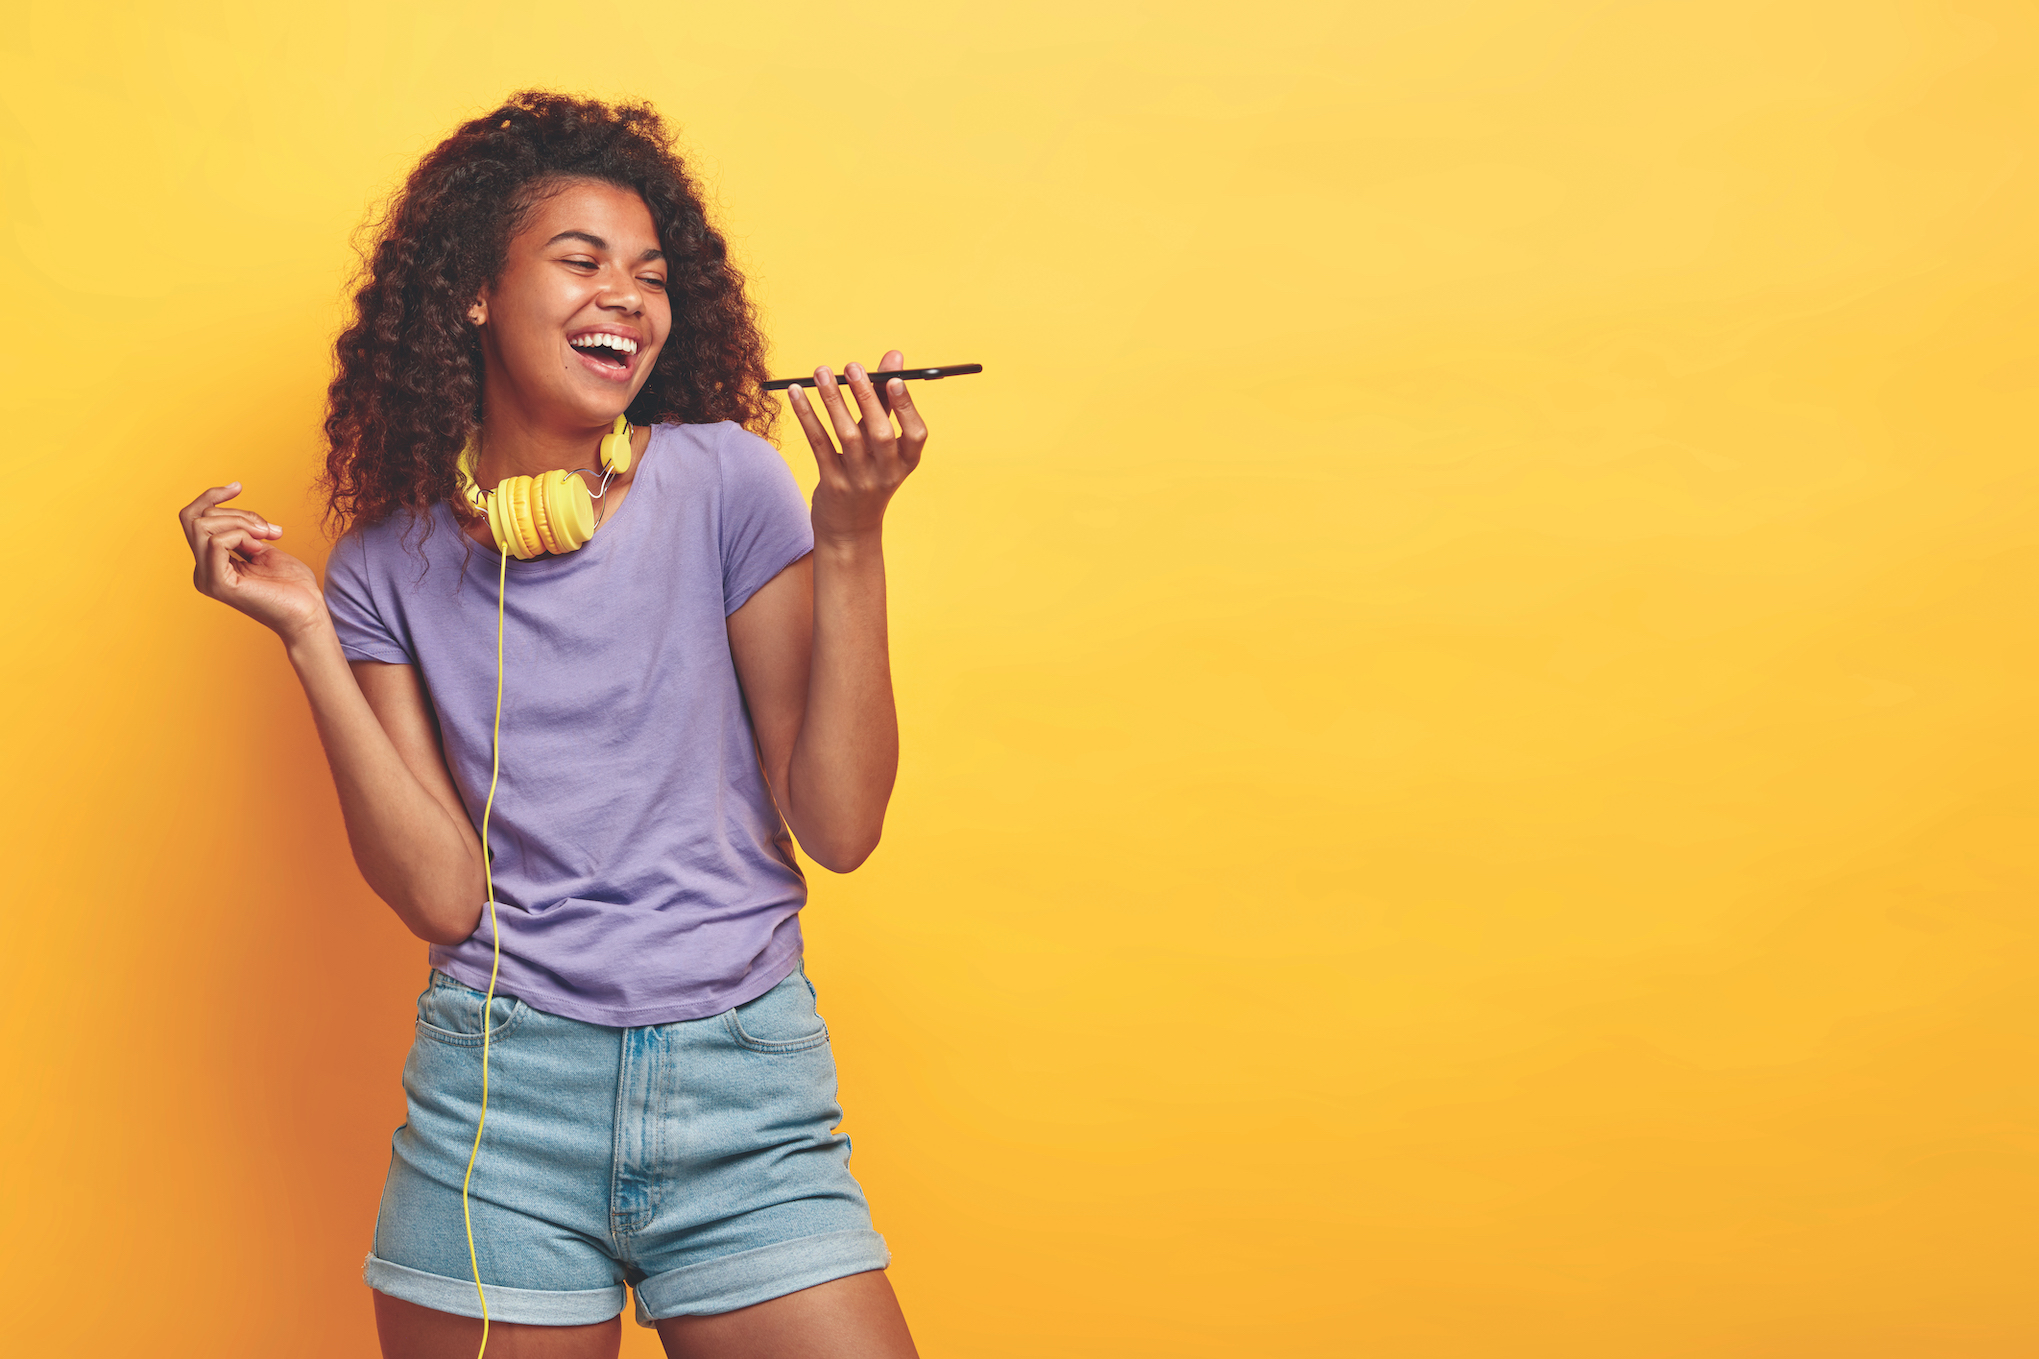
810 424
220 567
206 500
219 519
876 424
211 526
912 429
846 433
893 360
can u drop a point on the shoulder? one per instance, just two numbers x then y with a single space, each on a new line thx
368 589
736 463
725 443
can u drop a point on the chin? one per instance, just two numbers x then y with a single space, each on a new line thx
600 408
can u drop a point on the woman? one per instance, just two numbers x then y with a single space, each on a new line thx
707 673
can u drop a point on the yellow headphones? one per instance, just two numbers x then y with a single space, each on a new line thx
551 512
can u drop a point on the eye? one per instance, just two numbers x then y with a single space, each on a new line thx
575 261
653 280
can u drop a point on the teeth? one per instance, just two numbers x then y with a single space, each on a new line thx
604 340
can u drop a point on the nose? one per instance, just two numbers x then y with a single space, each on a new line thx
624 294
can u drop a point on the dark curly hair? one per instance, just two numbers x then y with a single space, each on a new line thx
409 386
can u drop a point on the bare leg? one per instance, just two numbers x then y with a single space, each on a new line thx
409 1331
851 1318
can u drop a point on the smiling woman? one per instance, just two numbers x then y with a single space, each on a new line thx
614 920
574 320
446 242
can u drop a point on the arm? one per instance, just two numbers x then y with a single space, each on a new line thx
410 834
811 656
810 647
405 822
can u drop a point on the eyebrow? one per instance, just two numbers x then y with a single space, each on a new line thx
599 244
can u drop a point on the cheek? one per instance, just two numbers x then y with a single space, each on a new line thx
523 341
535 350
665 342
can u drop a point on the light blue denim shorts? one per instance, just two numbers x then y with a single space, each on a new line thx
695 1162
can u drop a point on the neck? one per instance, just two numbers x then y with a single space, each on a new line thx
514 445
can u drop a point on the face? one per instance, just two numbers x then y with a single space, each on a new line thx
571 329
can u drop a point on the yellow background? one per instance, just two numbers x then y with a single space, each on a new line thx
1467 670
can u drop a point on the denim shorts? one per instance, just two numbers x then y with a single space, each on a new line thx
695 1162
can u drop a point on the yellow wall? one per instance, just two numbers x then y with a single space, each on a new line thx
1468 670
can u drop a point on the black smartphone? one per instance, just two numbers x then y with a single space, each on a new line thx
879 379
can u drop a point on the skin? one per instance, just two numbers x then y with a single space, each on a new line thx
851 1318
809 648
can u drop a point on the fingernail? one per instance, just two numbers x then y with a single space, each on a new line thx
855 370
233 486
822 375
276 528
896 387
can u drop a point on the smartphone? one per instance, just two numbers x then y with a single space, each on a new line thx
879 379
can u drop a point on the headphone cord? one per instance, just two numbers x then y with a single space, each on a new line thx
495 932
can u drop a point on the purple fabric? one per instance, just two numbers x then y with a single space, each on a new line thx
642 873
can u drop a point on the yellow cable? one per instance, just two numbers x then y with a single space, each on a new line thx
495 932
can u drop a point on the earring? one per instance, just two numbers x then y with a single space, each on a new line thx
477 314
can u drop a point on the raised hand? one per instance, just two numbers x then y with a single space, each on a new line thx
866 460
234 562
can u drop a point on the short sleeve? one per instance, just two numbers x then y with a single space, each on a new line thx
351 602
765 527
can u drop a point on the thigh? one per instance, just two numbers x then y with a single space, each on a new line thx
538 1201
850 1318
408 1331
738 1187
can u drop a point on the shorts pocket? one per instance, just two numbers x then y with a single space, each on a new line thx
449 1012
782 1020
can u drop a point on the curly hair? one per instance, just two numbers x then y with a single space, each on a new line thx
408 389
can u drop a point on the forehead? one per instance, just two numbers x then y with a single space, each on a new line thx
613 213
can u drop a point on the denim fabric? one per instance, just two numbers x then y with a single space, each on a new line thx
693 1161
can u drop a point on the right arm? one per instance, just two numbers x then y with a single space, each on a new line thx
409 831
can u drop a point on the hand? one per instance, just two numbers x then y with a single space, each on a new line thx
858 479
235 564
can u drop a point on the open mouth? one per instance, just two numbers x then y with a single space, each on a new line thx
615 352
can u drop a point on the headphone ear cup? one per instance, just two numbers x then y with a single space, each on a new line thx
530 516
616 451
500 521
516 495
541 513
569 511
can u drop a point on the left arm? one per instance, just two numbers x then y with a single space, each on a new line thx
810 646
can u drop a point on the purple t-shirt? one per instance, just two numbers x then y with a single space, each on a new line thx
642 872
